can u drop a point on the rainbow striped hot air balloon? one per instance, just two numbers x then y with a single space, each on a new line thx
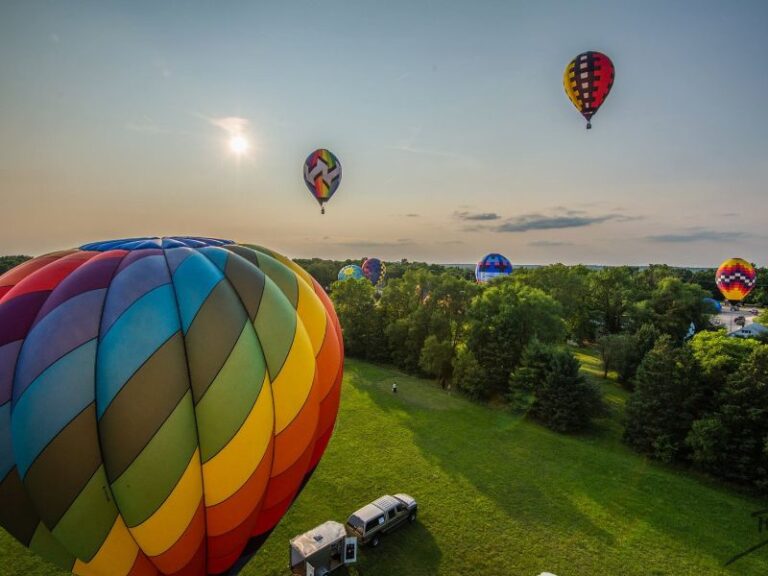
162 402
322 175
736 278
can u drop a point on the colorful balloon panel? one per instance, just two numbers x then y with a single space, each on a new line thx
375 270
736 278
322 174
713 305
351 272
162 402
587 80
491 266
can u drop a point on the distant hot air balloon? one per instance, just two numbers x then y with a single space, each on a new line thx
375 270
736 278
713 305
351 272
491 266
587 81
322 175
162 402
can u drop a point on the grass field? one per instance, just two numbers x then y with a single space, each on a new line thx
500 495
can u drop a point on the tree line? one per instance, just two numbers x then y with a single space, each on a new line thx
511 342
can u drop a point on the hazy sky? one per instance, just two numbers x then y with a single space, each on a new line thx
449 118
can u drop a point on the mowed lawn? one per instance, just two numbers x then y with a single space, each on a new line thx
501 495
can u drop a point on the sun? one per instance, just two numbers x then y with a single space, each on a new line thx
239 145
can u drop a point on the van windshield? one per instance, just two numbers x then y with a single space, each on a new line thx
356 523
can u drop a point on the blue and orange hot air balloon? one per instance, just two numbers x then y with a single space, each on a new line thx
322 175
162 402
492 266
736 278
588 80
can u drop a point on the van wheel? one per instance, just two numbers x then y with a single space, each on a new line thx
412 517
374 541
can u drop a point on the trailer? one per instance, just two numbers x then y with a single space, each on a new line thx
322 550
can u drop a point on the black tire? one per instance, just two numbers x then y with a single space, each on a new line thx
375 541
412 517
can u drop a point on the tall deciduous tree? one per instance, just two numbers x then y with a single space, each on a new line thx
503 319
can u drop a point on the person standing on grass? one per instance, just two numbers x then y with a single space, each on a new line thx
394 387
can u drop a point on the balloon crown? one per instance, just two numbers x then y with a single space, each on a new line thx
155 242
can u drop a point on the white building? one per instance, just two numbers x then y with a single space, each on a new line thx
750 331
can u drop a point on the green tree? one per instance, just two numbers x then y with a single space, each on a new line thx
503 319
662 408
611 295
533 369
437 358
731 442
360 319
671 307
570 286
8 262
549 383
468 375
422 304
625 352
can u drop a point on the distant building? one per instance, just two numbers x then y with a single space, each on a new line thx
753 330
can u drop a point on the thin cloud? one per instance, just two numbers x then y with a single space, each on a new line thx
476 216
146 127
230 124
427 152
549 243
412 215
529 222
699 235
370 245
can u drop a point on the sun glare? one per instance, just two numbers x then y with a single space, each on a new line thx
239 145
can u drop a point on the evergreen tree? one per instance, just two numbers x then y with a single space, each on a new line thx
731 442
664 404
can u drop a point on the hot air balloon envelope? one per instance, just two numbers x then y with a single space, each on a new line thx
162 402
322 175
736 278
587 80
351 272
375 270
492 266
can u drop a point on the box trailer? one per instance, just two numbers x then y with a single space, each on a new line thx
321 550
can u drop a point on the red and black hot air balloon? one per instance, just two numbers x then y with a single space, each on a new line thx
587 81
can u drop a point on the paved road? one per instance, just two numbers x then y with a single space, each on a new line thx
726 318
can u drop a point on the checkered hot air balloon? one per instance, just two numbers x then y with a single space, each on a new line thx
162 402
587 80
491 266
322 175
375 270
736 278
